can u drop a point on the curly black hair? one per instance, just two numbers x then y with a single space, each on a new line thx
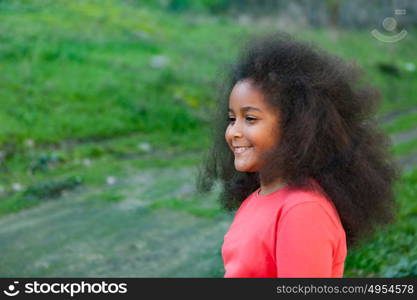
329 133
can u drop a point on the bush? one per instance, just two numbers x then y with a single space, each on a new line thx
50 189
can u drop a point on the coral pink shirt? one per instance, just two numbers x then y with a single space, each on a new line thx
287 233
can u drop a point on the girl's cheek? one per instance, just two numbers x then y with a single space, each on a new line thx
226 134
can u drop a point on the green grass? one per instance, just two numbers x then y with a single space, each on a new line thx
94 175
90 76
191 207
402 123
404 148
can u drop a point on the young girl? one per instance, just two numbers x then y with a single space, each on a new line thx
301 158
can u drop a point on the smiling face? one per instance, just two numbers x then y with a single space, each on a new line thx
253 127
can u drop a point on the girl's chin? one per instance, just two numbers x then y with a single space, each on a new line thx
244 168
247 166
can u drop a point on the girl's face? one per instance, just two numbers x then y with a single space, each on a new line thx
253 127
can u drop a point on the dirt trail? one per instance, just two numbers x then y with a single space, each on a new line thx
393 115
409 161
405 136
79 237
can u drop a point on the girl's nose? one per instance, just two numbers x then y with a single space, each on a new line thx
236 130
237 133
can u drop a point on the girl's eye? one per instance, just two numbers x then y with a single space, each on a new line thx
249 119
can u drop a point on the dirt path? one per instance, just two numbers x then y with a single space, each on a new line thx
403 137
82 236
391 116
408 162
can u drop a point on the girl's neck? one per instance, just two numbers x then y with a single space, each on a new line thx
270 187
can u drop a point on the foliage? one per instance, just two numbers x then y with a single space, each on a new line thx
406 267
51 189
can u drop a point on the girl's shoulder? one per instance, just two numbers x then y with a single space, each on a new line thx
313 201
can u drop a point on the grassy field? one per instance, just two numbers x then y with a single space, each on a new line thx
93 92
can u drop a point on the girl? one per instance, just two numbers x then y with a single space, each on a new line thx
301 158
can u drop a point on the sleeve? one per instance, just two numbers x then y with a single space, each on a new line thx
305 242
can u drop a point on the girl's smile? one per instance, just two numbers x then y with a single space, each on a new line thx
253 129
240 149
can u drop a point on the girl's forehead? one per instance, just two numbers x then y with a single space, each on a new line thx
245 93
247 97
